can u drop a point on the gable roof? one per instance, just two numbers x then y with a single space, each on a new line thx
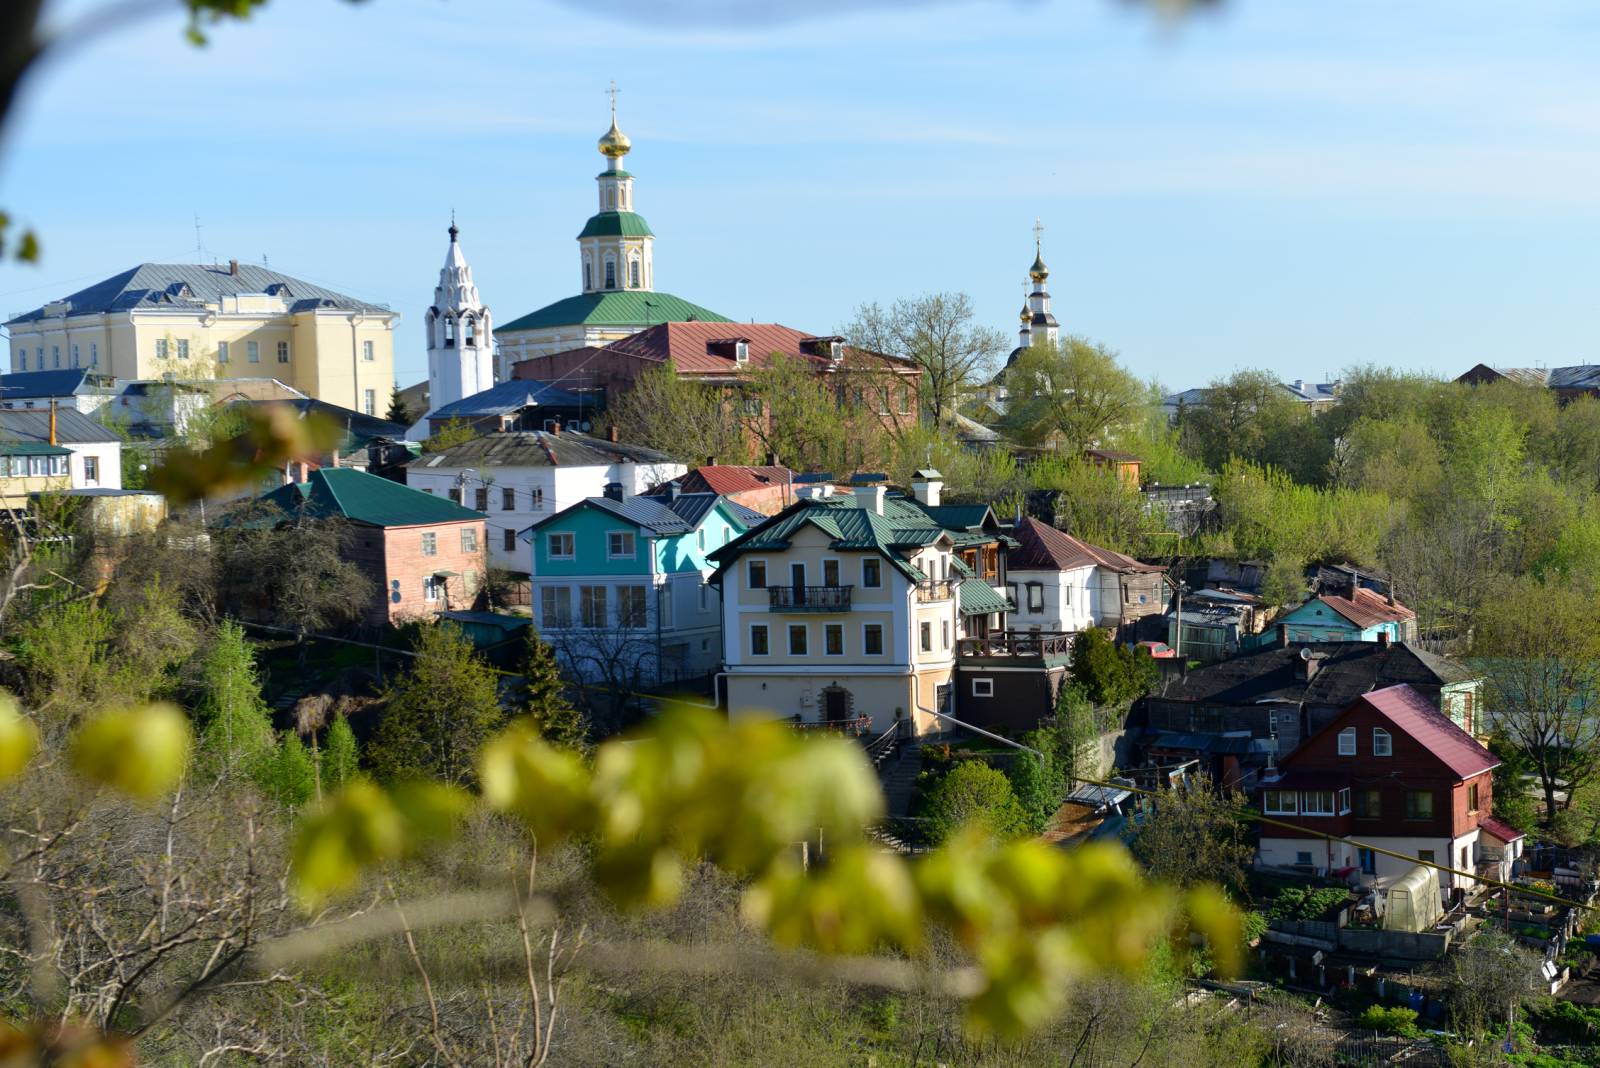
1041 547
708 348
725 479
1345 671
1365 608
64 383
33 424
628 307
357 429
660 516
362 498
192 287
506 397
538 448
1412 714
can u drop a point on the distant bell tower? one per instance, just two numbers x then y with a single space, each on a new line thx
460 333
616 246
1044 327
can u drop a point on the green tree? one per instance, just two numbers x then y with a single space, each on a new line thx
341 757
398 412
973 792
437 715
1075 394
1197 835
1071 735
686 420
1038 788
453 433
1285 581
544 696
1094 504
235 723
288 776
1109 673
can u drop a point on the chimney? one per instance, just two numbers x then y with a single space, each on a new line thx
871 497
1283 636
772 459
52 418
711 461
1383 637
1312 662
611 433
555 427
927 485
673 489
1355 580
233 268
613 491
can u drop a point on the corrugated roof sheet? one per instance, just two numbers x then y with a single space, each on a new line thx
1413 714
32 448
616 224
1500 829
364 498
1345 671
693 347
630 307
24 385
537 448
33 424
1041 547
506 397
1368 608
726 479
194 286
645 512
977 598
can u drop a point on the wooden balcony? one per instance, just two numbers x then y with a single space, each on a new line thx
936 590
1018 643
809 598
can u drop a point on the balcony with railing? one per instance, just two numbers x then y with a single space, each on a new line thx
809 598
1032 644
936 590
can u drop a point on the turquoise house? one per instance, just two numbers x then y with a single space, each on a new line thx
619 584
1355 615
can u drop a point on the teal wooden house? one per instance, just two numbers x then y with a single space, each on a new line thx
619 584
1356 614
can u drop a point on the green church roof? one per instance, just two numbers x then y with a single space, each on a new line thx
627 307
616 224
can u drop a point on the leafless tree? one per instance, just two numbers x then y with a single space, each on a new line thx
938 333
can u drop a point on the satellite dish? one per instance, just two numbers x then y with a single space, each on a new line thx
1305 652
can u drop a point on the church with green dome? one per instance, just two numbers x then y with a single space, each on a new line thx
619 298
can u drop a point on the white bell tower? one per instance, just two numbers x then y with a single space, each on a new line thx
1045 330
460 333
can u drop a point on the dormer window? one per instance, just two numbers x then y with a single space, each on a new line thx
449 332
836 350
741 352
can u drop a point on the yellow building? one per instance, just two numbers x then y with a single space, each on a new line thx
234 320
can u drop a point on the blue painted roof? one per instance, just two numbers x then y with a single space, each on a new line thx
63 383
508 397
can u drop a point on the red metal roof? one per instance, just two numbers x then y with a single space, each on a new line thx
1369 608
1413 714
1500 829
1041 547
727 478
701 348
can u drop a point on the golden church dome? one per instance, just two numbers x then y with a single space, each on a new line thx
615 143
1038 272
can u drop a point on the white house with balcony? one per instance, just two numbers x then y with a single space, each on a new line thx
518 479
848 607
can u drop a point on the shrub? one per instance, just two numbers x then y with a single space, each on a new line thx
973 791
1393 1020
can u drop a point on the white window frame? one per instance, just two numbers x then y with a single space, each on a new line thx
183 348
94 354
1269 809
469 539
1382 742
161 349
367 355
1344 801
925 636
553 538
876 563
431 588
766 632
369 401
1347 735
1302 858
643 619
789 633
252 352
829 628
222 352
430 543
1309 798
561 618
632 552
883 645
983 687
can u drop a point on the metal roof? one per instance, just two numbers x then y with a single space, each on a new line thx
506 397
33 424
63 383
616 224
538 448
364 498
1041 547
628 307
1345 671
194 287
978 598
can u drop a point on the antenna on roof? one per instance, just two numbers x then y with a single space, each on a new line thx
199 249
263 259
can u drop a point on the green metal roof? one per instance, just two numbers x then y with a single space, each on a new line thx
613 174
625 307
32 448
978 598
363 498
616 224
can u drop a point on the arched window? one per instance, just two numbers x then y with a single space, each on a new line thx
588 281
1347 742
468 334
449 332
633 272
611 273
1382 744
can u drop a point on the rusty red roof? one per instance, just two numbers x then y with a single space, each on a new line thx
726 479
1368 609
698 348
1500 829
1041 547
1414 715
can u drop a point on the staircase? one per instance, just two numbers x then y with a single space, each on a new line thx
899 778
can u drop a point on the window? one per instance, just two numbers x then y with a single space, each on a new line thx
39 352
366 351
1347 742
925 642
833 639
469 539
611 274
75 361
555 604
1279 802
1419 804
700 539
872 572
454 493
630 606
983 687
1316 803
1369 804
619 545
538 497
741 352
592 606
797 639
55 355
1466 861
252 351
480 499
1382 744
161 348
633 273
872 639
1472 797
94 354
508 499
22 360
830 572
469 336
449 332
430 544
756 571
91 473
1344 800
944 633
222 352
1368 861
588 282
559 545
183 348
369 402
430 588
1035 597
509 543
758 640
1425 854
1302 857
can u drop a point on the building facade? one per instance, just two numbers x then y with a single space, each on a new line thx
81 390
161 321
55 449
1355 615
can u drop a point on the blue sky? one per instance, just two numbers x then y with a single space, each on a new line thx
1292 185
